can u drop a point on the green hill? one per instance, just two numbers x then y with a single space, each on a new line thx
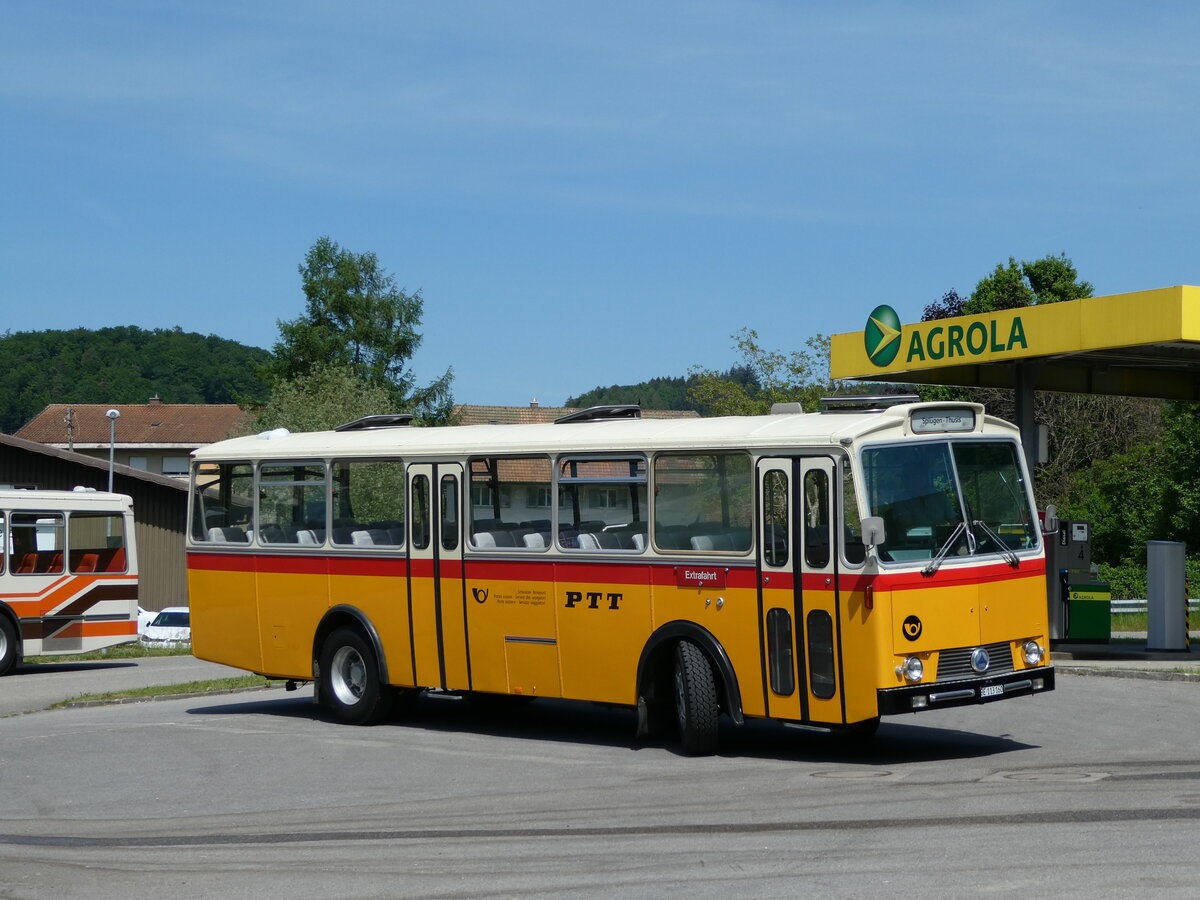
124 364
659 393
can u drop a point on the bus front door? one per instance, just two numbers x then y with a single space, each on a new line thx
437 590
799 590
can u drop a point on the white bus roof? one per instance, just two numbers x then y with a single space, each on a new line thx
86 498
821 429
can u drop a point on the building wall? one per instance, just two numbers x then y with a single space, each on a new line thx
160 515
157 462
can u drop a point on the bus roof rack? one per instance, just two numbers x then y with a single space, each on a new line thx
865 402
602 413
368 423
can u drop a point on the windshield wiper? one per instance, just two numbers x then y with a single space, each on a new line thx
936 562
1006 551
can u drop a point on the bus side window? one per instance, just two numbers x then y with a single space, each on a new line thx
367 504
816 518
37 542
602 503
775 519
703 501
94 541
222 502
449 507
509 503
420 512
853 549
291 502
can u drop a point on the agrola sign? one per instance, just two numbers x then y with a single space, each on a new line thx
884 338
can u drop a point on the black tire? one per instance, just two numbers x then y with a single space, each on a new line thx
10 646
350 688
696 707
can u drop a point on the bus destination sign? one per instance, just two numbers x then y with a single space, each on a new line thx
930 421
700 576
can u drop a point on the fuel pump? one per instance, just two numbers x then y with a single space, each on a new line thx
1080 604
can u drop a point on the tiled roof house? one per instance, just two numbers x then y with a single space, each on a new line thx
155 437
534 414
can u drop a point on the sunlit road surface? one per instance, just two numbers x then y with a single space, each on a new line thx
1091 791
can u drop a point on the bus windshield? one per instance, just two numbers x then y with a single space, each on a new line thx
950 498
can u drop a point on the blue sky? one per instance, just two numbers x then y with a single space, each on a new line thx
586 193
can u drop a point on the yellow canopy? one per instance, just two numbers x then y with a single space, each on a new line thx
1143 344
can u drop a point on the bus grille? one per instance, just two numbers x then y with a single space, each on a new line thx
956 664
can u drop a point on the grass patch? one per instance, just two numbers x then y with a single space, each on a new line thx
1130 621
211 686
135 650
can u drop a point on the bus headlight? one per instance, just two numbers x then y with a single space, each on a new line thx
1034 654
912 671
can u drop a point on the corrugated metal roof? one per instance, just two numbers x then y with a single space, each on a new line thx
167 424
91 462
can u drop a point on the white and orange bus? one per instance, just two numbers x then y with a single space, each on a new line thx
822 569
68 573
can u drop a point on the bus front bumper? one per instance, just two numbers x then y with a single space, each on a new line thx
940 695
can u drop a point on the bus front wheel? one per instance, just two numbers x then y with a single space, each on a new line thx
350 687
10 647
696 706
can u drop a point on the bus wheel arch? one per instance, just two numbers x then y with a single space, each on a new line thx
10 640
656 677
345 640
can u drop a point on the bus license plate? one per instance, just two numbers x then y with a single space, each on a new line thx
991 690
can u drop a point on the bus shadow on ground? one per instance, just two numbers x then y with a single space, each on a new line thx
577 722
39 668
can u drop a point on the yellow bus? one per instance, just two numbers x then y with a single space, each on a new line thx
821 569
68 573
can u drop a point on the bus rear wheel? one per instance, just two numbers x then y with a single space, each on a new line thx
10 647
696 707
350 687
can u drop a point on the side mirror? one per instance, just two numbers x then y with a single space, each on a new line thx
1050 519
873 531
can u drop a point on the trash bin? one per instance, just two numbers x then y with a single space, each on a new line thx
1166 596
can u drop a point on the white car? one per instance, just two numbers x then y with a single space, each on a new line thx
172 627
145 617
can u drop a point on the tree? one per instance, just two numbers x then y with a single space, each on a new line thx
1073 420
951 304
1050 279
321 399
1005 288
357 320
1053 279
774 377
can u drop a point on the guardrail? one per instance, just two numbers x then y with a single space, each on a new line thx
1139 606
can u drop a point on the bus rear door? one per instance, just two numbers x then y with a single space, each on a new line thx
437 591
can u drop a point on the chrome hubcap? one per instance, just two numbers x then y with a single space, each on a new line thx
348 675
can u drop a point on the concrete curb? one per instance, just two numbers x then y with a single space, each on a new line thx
1143 674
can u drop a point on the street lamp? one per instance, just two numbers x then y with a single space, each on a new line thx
113 415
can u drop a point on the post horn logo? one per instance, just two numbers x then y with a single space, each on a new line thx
882 335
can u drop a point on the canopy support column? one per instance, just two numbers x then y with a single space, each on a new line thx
1024 378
